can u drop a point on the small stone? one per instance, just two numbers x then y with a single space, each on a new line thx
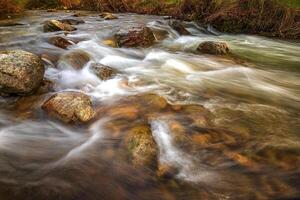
77 59
102 71
179 28
214 48
60 42
166 171
55 25
108 16
71 21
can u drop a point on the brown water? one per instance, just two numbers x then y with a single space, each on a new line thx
253 150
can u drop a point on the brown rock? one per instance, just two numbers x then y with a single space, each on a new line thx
77 59
138 37
71 21
70 107
21 72
142 147
108 16
214 48
60 42
9 22
179 28
102 71
166 172
55 25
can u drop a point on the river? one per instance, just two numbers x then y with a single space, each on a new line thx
253 98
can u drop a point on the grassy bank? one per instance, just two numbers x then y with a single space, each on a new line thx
279 18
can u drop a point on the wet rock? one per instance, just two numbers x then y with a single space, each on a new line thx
71 21
5 23
102 71
110 42
21 72
137 37
142 147
51 10
214 48
178 27
77 59
79 15
128 112
160 34
70 107
55 25
166 172
60 42
108 16
154 102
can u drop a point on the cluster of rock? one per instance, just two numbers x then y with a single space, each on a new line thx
22 73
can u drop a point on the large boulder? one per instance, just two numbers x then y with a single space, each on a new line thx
214 48
55 25
102 71
142 147
137 37
21 72
70 107
179 28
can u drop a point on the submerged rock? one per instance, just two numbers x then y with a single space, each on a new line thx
110 42
21 72
142 147
77 59
79 15
55 25
9 22
71 21
70 107
60 42
214 48
178 27
108 16
166 172
102 71
137 37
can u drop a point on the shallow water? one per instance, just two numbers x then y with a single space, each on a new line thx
253 97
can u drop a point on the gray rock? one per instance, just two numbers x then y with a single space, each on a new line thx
21 72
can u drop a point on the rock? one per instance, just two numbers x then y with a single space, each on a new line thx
160 34
108 16
138 37
71 21
70 107
21 72
6 23
142 147
102 71
78 15
214 48
60 42
166 172
77 59
128 112
110 42
55 25
154 102
178 27
51 10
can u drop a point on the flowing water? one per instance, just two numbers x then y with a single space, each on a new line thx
250 149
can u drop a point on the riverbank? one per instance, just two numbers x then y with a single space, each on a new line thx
272 18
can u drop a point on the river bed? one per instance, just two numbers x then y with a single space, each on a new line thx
251 148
